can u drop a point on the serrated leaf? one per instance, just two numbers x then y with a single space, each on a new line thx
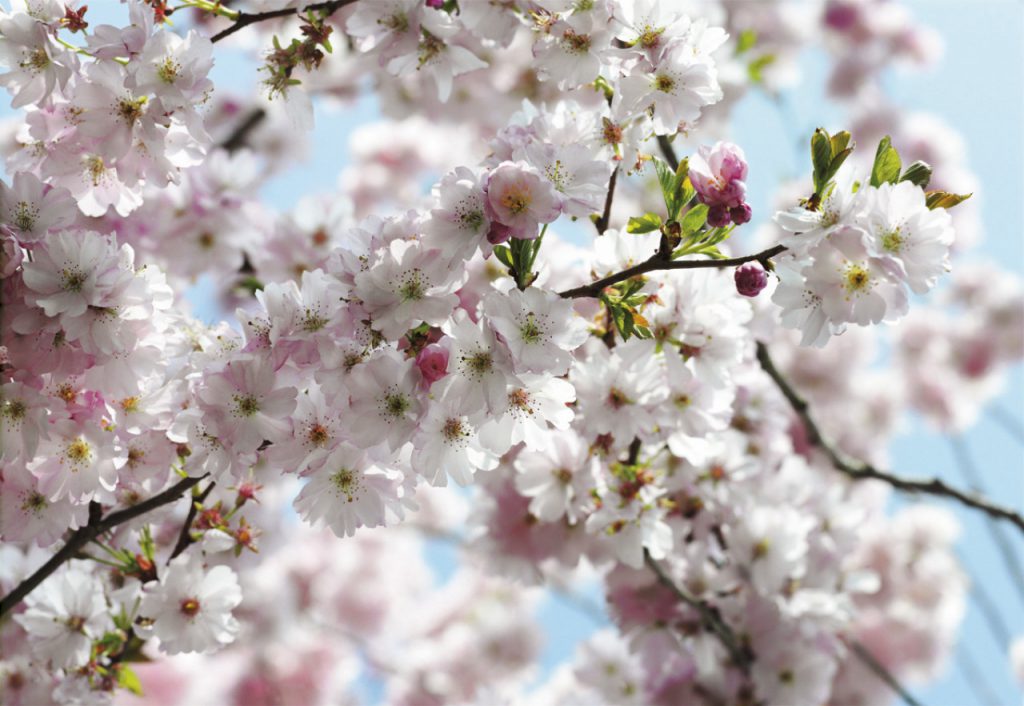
919 173
643 224
128 679
694 220
944 199
886 169
671 186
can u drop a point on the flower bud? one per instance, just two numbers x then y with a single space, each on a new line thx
718 217
750 279
740 214
432 361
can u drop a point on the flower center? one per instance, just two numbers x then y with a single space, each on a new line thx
247 405
413 288
14 410
530 331
576 43
346 482
190 607
664 83
25 216
318 435
168 70
79 452
130 110
857 278
34 502
650 37
72 279
36 60
396 404
516 201
893 240
454 429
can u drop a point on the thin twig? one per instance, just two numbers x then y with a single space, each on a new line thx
993 619
84 535
1008 421
882 673
246 18
864 471
606 216
1003 544
657 263
668 152
975 678
238 137
740 654
185 536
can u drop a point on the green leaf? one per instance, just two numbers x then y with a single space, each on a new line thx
944 199
694 220
840 141
128 679
919 173
821 158
672 186
755 69
886 169
746 41
644 224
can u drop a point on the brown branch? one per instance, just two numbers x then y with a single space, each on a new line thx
656 263
872 663
668 152
246 18
740 654
185 536
865 471
84 535
606 216
240 135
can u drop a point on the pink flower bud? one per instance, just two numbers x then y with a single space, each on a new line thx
432 361
717 174
436 4
740 214
498 234
718 217
750 279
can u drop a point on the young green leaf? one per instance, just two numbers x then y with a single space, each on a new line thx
128 679
919 173
694 220
944 199
886 169
503 254
644 224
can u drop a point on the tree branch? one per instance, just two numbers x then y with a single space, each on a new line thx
246 18
84 535
668 152
882 673
864 471
185 536
602 222
740 654
240 135
1003 544
656 263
